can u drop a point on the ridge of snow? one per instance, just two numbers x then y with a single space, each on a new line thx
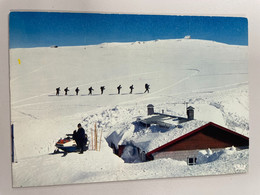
150 42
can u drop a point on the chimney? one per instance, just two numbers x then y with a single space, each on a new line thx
150 109
190 113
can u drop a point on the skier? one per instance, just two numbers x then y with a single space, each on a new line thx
131 89
66 90
102 88
90 90
118 89
77 91
80 138
58 91
147 87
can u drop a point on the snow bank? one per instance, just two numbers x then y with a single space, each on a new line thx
206 156
101 167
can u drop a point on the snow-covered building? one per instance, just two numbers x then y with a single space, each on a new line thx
187 146
185 138
164 120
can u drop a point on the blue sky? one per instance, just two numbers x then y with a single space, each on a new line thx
41 29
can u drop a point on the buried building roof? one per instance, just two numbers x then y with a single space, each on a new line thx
209 135
153 137
159 131
151 142
163 120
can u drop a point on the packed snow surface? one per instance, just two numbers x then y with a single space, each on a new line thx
210 76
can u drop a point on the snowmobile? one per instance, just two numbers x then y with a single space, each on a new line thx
68 144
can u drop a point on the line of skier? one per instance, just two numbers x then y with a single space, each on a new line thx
102 88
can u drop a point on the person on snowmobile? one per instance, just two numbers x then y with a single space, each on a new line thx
131 88
66 90
119 88
90 90
77 91
147 87
81 139
58 91
75 137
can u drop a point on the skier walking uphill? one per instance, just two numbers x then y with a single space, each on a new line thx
102 88
77 91
58 91
80 138
131 89
90 90
66 90
147 87
119 88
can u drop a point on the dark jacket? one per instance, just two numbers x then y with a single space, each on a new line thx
81 134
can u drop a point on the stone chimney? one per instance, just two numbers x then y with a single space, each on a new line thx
190 113
150 109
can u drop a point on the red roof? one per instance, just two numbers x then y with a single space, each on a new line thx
193 132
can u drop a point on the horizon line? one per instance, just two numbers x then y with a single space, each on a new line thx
108 42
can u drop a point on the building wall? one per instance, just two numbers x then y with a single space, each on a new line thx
182 155
120 150
210 137
177 155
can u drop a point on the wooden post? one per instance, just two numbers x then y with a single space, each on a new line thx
100 139
92 139
95 137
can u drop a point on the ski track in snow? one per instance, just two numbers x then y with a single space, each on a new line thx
24 75
153 94
26 114
221 88
202 75
91 83
50 102
142 98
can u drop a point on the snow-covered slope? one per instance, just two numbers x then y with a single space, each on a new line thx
102 167
210 76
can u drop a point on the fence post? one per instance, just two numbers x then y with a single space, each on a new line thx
100 139
92 139
95 137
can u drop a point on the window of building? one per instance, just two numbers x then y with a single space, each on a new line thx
191 160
